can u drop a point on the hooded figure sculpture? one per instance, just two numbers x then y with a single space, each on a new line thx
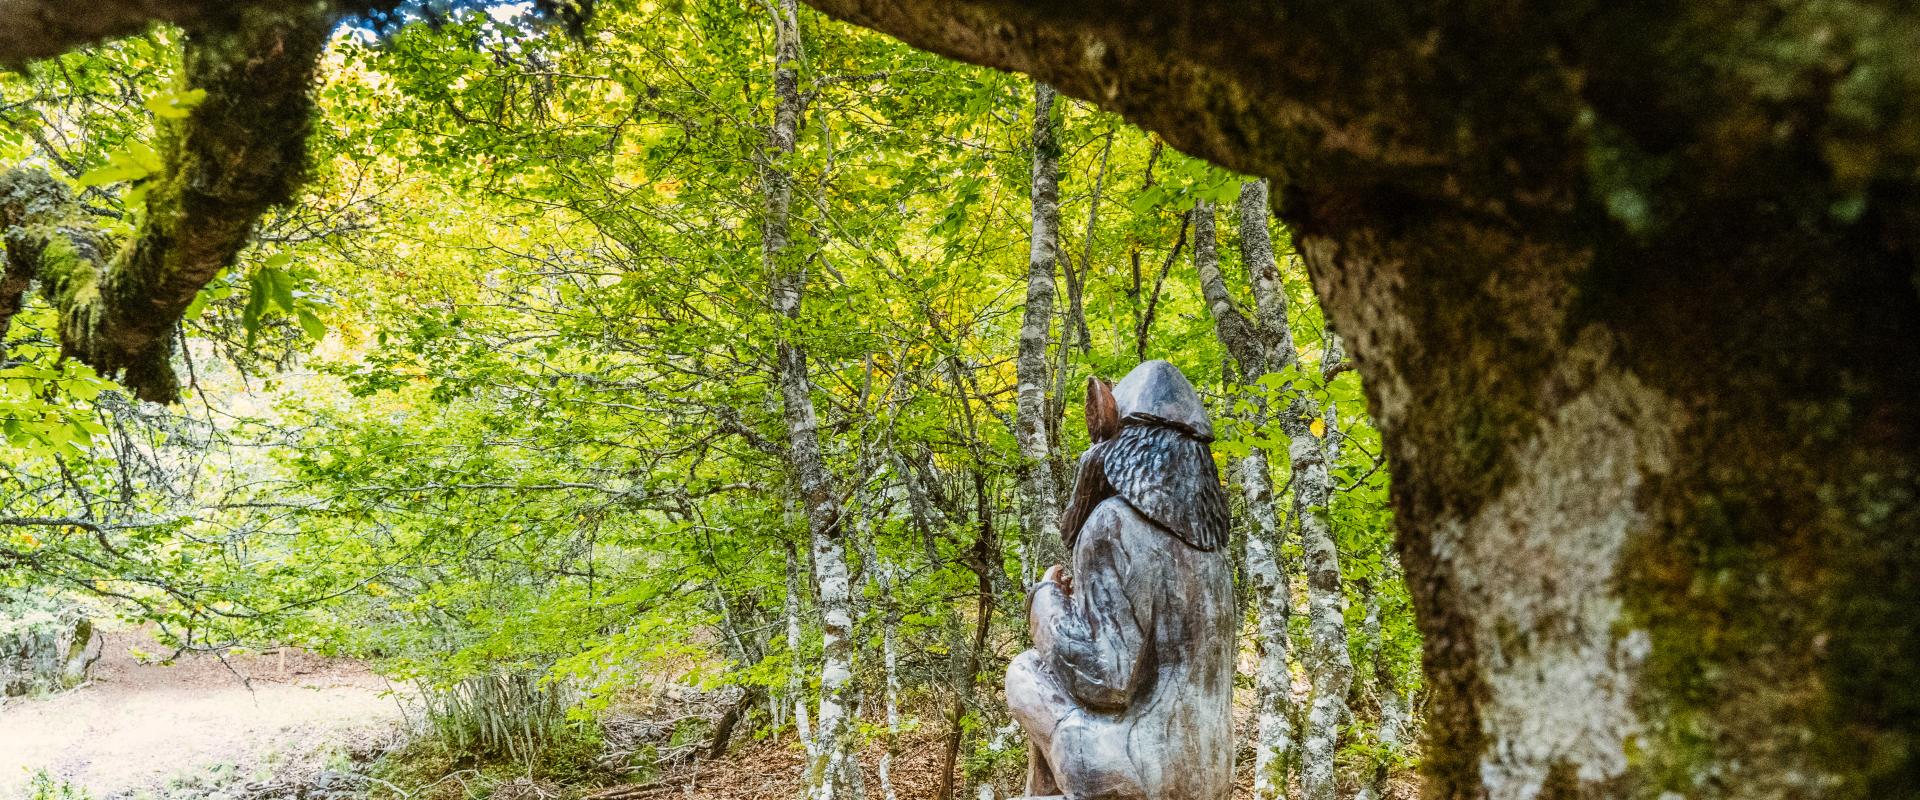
1127 692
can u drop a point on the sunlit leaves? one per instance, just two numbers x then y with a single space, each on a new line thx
278 286
137 162
176 103
46 403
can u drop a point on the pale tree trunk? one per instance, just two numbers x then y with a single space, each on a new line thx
881 575
1039 490
832 771
1328 664
797 668
1333 361
835 769
1252 347
1393 701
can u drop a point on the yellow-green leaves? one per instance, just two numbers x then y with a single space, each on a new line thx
44 407
176 104
275 287
136 161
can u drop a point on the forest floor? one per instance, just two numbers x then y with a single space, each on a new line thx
258 726
139 729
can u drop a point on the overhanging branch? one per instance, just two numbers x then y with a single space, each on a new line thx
239 152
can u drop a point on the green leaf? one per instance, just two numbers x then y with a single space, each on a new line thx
136 162
255 308
310 322
281 283
175 104
1148 200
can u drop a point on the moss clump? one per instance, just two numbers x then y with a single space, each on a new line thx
46 643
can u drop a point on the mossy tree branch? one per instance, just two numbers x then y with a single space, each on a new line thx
237 153
31 29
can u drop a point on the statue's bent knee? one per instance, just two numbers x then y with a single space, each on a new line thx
1035 696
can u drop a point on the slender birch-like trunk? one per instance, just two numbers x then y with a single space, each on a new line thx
831 772
1262 345
1273 686
797 670
835 772
1037 485
881 576
1393 701
1328 664
1252 349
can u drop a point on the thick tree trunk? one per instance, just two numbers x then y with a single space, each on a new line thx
1633 289
31 29
1038 489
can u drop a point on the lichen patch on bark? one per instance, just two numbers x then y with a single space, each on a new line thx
1535 571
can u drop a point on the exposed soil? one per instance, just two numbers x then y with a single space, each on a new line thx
135 725
197 729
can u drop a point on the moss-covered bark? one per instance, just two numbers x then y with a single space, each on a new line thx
238 152
1633 288
31 29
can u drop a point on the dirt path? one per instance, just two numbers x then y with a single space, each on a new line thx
139 725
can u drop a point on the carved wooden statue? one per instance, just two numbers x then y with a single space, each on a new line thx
1127 692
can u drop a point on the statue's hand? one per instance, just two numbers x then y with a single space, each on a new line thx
1058 574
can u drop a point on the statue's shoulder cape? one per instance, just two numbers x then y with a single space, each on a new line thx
1165 474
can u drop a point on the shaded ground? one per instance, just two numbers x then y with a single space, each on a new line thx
775 769
195 730
135 726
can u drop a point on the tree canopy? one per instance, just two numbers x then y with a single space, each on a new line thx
589 320
491 379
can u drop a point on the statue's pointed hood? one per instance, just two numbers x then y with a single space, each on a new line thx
1157 393
1155 457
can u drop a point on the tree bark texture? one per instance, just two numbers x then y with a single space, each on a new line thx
1038 488
238 152
1262 345
831 769
31 29
796 671
1250 345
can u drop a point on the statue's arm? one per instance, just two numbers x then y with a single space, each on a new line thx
1096 637
1046 601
